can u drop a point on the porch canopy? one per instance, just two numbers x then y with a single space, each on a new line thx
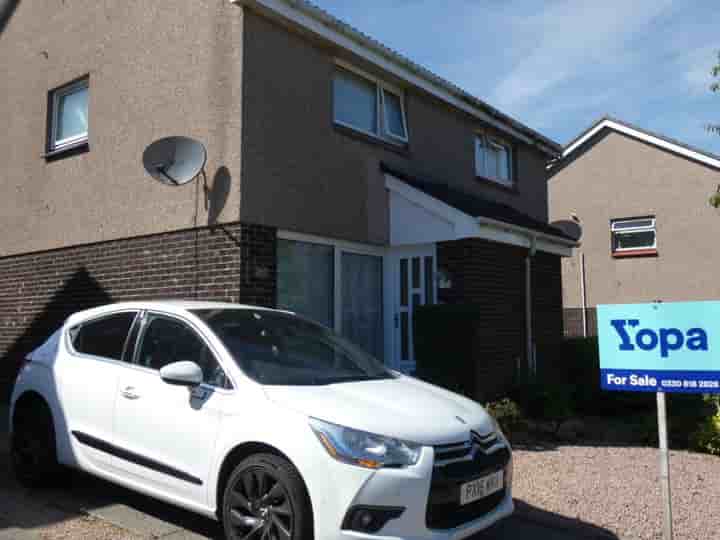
425 212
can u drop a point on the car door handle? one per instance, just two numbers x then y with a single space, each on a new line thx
129 393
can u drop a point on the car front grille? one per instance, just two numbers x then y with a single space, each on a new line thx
443 509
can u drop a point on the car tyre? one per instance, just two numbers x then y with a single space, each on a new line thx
32 446
265 499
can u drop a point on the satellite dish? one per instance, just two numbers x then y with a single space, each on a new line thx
571 228
174 160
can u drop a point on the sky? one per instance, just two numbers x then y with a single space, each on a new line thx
559 65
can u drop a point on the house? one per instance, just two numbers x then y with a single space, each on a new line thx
642 201
342 179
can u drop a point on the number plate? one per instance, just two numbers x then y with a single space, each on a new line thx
482 487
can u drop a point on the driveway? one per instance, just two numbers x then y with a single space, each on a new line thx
91 508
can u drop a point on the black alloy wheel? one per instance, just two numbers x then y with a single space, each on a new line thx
265 499
32 447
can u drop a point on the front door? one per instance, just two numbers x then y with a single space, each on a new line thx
165 435
412 279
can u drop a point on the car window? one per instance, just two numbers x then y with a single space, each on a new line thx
167 340
103 337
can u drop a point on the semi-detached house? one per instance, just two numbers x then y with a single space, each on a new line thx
343 181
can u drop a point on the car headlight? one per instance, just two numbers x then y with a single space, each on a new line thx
365 449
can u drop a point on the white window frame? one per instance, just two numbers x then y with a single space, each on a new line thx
339 247
481 161
381 88
619 227
54 143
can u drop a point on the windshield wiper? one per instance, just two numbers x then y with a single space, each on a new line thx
354 378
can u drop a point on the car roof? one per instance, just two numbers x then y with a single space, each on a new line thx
172 306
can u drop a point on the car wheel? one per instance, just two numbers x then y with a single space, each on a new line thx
32 447
265 499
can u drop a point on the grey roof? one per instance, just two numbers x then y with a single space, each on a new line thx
475 206
353 33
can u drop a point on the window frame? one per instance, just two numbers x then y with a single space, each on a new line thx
629 251
482 166
145 317
381 88
339 247
53 145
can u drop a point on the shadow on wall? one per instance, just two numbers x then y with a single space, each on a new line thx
217 195
80 291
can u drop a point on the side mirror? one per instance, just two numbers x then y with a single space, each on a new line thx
182 374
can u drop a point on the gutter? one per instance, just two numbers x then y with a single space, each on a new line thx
294 10
532 235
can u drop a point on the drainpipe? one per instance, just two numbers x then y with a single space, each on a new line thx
583 294
529 352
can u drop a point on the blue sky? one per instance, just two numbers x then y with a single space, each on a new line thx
558 65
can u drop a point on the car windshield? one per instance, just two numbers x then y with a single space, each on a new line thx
283 349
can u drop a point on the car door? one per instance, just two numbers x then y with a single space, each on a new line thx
165 435
87 383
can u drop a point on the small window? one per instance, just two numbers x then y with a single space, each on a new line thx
103 337
493 160
633 236
68 116
369 105
167 340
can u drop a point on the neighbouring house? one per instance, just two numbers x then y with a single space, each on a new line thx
648 230
343 181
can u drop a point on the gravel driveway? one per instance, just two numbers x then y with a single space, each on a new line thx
617 489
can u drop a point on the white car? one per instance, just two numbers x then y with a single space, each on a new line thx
261 419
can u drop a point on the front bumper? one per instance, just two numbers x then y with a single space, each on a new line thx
429 496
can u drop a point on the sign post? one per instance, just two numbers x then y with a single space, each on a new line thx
661 348
664 466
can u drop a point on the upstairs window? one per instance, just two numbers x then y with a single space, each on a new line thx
493 160
68 116
369 105
635 236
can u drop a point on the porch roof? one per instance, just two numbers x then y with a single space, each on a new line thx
425 211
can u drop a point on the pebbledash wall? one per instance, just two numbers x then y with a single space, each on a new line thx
234 263
492 275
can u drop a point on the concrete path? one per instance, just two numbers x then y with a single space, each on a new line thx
26 515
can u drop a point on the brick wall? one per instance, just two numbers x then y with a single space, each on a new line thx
234 263
493 275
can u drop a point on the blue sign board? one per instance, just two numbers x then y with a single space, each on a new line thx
660 347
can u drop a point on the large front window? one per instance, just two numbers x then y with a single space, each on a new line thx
334 284
278 349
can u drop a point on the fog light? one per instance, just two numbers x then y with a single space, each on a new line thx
370 519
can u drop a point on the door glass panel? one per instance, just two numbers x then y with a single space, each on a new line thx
429 281
417 300
103 337
403 282
362 321
404 336
305 280
166 341
416 272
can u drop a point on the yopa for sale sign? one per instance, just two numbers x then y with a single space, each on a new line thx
660 347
